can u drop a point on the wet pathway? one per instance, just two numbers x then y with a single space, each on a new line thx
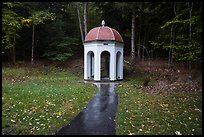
98 118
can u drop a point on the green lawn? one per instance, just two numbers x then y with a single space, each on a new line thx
143 113
39 101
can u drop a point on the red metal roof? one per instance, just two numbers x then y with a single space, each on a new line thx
103 33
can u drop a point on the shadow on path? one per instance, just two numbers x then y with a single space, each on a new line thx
98 118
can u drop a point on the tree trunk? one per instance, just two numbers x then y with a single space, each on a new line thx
133 37
174 35
170 48
10 54
138 48
152 52
190 24
174 42
190 7
139 54
33 36
144 41
139 43
85 18
80 26
14 50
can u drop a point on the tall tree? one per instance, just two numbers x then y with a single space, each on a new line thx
174 35
172 38
186 47
38 17
148 26
133 9
85 18
11 23
190 8
60 39
136 12
79 18
133 36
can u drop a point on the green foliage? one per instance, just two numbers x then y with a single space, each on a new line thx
177 20
191 52
53 55
39 17
156 44
60 47
10 24
93 11
57 28
184 48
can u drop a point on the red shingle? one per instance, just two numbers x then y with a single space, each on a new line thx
103 33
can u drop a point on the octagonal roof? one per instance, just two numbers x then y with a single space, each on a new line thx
103 33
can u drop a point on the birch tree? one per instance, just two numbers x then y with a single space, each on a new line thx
80 25
85 18
133 36
190 8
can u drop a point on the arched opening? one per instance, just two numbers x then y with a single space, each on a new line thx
105 65
90 65
118 65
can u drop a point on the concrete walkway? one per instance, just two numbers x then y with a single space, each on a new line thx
98 118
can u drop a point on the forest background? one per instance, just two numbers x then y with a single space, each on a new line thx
56 30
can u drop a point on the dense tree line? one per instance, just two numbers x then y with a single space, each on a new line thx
56 30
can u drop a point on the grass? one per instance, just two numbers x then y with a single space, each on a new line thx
143 113
39 101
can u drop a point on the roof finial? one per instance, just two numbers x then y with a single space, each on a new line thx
103 23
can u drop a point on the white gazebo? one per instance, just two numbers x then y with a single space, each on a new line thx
103 54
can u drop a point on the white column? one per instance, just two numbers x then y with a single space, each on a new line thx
112 65
121 65
85 64
97 66
89 65
92 65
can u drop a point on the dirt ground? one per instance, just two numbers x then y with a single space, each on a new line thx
177 78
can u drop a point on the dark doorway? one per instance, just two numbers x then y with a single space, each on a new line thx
118 65
90 63
105 65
